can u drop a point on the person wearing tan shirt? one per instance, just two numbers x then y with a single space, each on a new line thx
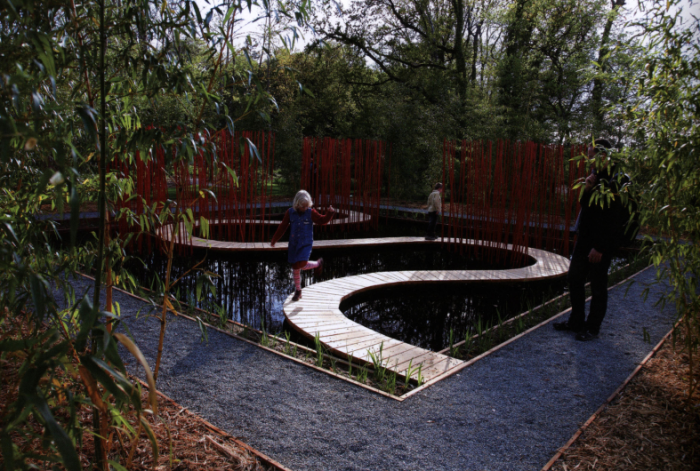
434 209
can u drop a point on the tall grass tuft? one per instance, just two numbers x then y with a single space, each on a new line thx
264 338
287 348
319 350
391 382
362 374
453 350
467 343
419 376
409 373
378 363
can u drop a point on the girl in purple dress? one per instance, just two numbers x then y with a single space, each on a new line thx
302 217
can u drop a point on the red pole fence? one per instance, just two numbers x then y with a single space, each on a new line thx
505 192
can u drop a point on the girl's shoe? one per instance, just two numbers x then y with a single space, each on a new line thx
297 295
319 269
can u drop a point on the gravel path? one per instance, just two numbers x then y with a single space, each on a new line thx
509 411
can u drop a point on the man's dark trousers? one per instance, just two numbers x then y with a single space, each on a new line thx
432 222
579 270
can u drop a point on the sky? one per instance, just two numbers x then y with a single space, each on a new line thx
252 24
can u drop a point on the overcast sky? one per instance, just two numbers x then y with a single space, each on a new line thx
252 24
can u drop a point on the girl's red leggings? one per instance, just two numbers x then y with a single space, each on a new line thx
297 273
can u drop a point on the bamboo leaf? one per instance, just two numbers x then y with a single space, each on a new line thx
230 125
15 345
38 296
87 316
97 370
204 227
117 466
253 149
151 437
134 350
64 444
11 233
87 115
8 452
202 329
230 11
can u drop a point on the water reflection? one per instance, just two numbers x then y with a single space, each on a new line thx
423 315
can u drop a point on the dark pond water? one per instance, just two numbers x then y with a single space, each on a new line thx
425 315
253 286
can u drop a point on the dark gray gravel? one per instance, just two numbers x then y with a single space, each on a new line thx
509 411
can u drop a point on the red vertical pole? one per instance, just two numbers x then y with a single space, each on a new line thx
463 210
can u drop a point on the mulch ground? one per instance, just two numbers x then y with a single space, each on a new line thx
651 425
185 442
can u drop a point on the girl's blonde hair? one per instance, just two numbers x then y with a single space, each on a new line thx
302 200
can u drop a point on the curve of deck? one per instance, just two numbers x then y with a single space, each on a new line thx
318 312
165 231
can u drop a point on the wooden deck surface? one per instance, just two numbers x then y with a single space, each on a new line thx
165 232
318 312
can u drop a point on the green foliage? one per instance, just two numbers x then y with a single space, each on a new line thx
452 349
378 363
664 118
287 347
546 66
78 83
319 350
362 374
409 372
264 337
390 385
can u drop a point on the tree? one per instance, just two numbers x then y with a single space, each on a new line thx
666 132
603 60
430 47
542 83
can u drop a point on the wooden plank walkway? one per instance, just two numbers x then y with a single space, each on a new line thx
318 312
165 232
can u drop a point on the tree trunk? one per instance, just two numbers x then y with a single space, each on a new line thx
475 54
461 63
598 82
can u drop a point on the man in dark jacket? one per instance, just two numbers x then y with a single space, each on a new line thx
597 241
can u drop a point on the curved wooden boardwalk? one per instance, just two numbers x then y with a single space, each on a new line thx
164 232
318 312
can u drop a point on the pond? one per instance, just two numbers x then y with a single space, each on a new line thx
424 315
252 287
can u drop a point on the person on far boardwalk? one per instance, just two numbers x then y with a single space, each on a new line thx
301 239
598 239
434 210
